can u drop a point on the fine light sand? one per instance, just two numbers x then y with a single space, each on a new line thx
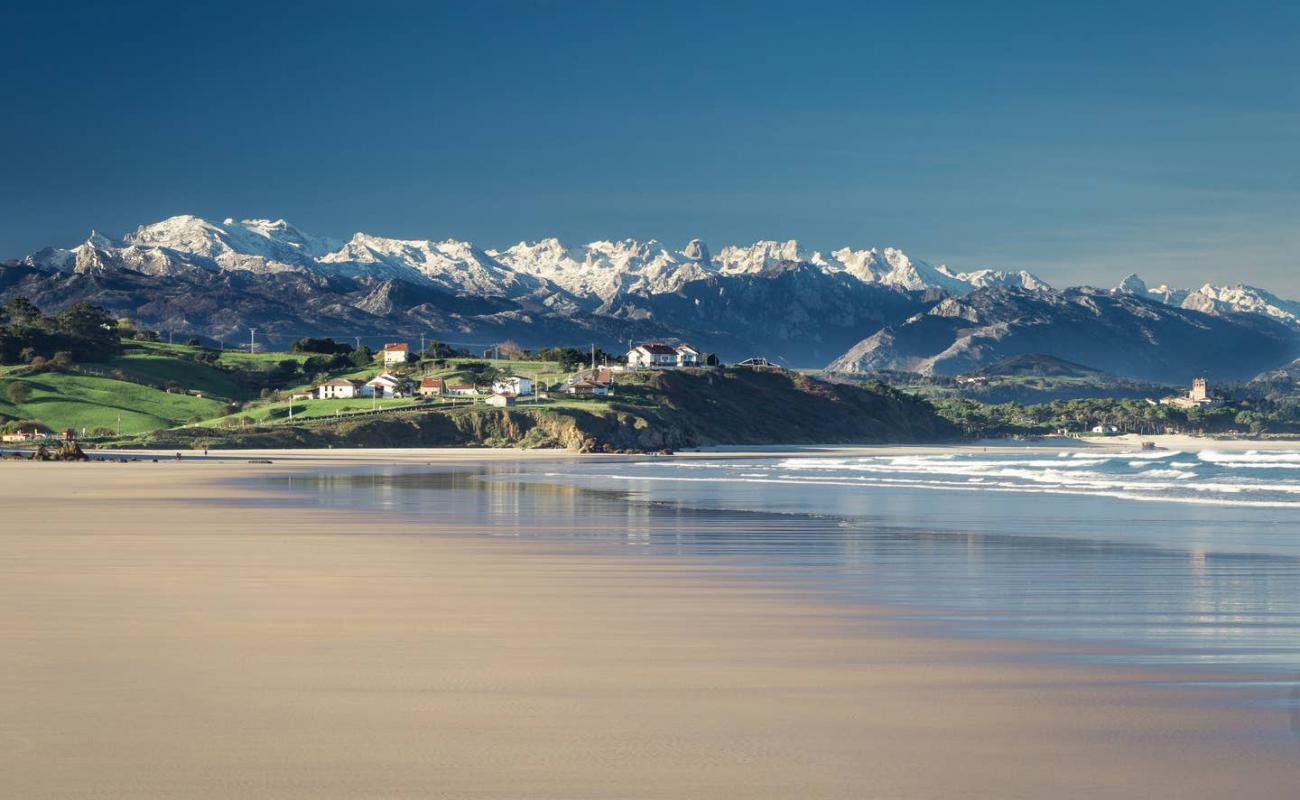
162 641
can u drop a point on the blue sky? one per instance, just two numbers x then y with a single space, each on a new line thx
1082 141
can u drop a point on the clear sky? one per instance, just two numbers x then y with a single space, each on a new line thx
1079 140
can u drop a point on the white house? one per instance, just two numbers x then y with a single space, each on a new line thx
385 384
462 390
1105 430
500 400
652 355
395 354
513 385
687 356
340 389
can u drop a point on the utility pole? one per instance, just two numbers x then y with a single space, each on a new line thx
169 338
119 426
252 341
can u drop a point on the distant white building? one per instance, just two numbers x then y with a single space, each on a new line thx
516 385
462 390
1105 430
500 400
662 356
687 356
385 384
395 354
340 389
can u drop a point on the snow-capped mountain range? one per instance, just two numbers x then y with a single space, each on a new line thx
1210 299
863 308
595 272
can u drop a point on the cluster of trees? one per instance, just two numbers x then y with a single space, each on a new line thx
1251 416
82 332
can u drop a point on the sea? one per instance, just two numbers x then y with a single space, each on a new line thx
1164 558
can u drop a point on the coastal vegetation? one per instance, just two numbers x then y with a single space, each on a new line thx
653 410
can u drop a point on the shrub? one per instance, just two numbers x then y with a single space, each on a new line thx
19 392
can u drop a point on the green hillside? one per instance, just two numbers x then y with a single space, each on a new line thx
650 411
69 400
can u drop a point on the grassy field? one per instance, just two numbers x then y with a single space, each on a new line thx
87 402
309 409
90 397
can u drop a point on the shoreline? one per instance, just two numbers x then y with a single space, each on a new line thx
415 455
191 646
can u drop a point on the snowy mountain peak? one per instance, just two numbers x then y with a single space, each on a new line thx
1132 284
697 251
760 257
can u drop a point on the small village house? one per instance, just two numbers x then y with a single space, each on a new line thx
395 354
588 388
687 356
385 385
462 390
652 356
432 387
516 385
500 400
340 389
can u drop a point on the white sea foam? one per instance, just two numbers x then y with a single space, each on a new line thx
1115 490
1280 458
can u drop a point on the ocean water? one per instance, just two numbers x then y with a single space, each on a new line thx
1170 558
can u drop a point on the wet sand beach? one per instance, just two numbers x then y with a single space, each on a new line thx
169 632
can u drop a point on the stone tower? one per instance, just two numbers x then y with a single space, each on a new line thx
1199 390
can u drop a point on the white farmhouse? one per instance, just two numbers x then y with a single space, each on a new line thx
687 356
514 385
462 390
652 355
395 354
385 384
340 389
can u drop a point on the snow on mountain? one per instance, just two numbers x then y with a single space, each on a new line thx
258 245
1212 299
984 278
453 265
548 270
603 269
764 257
1244 299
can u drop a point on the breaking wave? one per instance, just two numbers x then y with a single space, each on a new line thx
1213 478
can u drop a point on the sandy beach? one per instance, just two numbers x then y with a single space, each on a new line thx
167 635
